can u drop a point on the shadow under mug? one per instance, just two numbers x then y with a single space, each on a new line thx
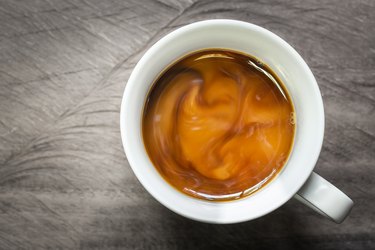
296 179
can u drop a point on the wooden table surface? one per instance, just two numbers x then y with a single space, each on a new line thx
64 178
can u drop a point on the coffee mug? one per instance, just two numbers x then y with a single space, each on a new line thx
296 179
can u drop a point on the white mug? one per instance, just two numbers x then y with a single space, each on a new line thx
296 179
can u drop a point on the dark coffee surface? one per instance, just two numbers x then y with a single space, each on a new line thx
65 181
218 125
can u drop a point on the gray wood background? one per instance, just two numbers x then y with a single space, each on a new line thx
64 179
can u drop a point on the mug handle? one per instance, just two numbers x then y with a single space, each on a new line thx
323 197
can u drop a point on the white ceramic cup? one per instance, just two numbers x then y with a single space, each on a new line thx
296 179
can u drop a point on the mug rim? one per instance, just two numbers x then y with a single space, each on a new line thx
136 158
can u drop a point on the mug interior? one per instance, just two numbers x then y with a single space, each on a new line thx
284 61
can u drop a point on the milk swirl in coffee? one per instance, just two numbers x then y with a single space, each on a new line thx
218 125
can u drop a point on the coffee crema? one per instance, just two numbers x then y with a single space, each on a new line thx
218 125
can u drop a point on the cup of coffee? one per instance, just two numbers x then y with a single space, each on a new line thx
222 121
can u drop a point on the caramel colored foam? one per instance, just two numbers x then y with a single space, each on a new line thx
218 126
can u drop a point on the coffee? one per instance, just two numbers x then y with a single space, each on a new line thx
218 125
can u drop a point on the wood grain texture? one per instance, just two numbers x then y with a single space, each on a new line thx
65 182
